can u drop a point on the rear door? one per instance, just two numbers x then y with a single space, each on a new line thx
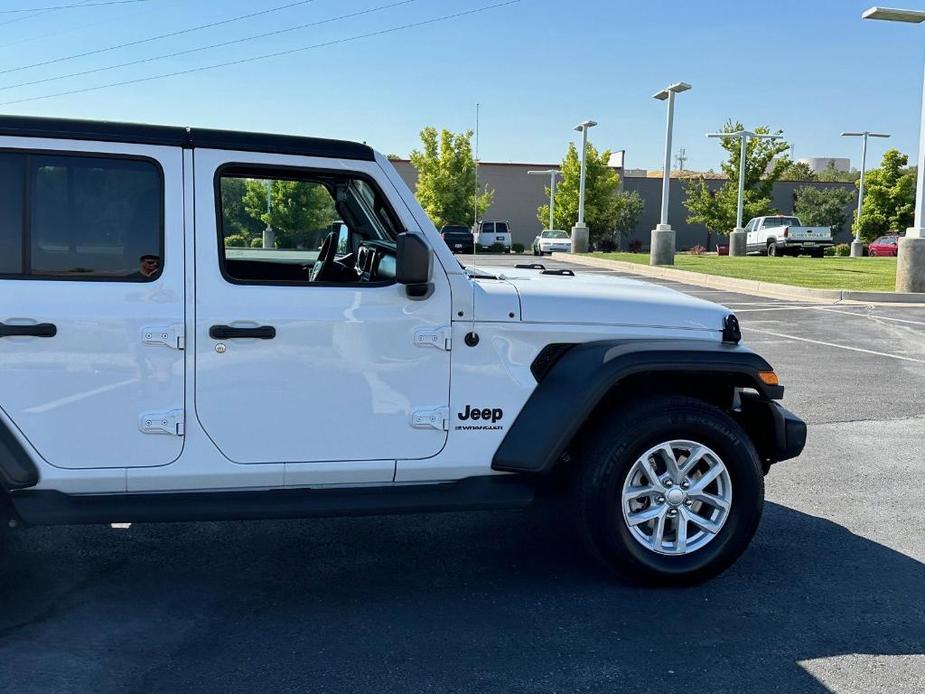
91 300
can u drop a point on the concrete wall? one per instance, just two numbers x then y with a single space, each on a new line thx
518 195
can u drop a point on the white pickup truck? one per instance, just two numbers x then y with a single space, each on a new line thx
778 236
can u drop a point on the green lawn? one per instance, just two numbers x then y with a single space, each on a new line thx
871 274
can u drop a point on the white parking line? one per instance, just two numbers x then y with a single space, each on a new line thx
870 316
832 344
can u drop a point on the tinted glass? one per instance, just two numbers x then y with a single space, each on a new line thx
12 183
781 222
555 234
95 217
500 228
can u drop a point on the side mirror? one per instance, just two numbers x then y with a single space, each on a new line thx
413 265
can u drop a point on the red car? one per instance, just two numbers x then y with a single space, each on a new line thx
884 246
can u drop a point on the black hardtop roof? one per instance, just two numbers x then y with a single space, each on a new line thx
176 136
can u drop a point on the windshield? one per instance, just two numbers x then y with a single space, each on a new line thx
555 234
455 229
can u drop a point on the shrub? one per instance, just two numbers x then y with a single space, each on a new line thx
497 248
829 251
843 249
607 246
235 241
697 250
517 247
635 246
257 242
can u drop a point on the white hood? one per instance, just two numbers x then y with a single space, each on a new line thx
595 299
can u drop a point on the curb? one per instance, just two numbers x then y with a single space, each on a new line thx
767 289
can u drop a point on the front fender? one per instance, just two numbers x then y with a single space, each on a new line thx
571 388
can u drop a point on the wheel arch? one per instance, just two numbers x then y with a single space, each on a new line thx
579 384
17 469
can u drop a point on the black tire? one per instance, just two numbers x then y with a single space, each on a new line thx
603 464
535 252
817 253
772 250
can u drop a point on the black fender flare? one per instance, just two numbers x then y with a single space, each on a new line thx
17 470
571 387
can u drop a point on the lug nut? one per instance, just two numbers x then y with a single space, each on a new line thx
667 482
660 500
685 485
688 503
672 513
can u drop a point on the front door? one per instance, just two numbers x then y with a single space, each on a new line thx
307 349
91 301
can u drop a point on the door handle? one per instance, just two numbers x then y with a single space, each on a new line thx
228 332
33 330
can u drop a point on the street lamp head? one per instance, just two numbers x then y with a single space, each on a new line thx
676 88
547 172
585 125
889 14
868 134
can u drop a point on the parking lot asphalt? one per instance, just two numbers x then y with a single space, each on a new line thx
828 597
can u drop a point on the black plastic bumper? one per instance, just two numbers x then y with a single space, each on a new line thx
777 433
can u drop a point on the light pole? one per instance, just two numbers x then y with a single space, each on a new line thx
580 231
661 248
857 246
910 261
737 237
269 236
553 177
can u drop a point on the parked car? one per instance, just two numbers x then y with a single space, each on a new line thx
489 233
319 384
458 238
550 240
778 235
884 246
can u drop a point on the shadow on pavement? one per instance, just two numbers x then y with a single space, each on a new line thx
479 602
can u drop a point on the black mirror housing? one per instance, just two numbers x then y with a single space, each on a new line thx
414 261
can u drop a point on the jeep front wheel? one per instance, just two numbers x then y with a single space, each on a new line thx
669 491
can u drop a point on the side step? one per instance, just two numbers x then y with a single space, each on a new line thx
44 507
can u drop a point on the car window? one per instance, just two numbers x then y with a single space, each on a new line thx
500 228
780 222
273 226
555 234
89 217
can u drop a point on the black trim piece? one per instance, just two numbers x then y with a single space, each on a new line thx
17 471
560 273
230 332
564 400
34 330
531 266
777 433
176 136
44 507
547 358
732 333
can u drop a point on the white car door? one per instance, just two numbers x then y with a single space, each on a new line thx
335 371
91 300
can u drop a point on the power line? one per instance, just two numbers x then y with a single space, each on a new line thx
26 17
265 56
149 39
75 6
59 32
199 49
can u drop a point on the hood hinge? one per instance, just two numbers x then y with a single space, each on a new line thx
441 338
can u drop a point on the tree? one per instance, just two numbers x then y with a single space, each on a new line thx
446 177
823 207
717 210
629 208
832 175
889 197
798 171
601 199
300 211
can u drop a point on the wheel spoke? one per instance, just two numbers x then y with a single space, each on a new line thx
708 477
700 521
658 534
696 454
671 462
681 544
650 473
646 515
637 492
711 499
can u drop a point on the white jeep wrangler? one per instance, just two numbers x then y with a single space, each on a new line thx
200 325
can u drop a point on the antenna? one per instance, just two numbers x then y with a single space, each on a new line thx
475 199
681 158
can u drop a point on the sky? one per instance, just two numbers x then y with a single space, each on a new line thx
812 68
